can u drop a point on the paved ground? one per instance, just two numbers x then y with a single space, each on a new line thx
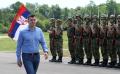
8 66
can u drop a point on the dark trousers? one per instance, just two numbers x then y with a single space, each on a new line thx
31 62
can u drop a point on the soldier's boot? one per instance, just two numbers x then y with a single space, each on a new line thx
104 63
53 59
88 62
80 61
118 64
96 63
112 64
73 61
59 59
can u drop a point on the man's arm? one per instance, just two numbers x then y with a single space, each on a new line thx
18 49
44 45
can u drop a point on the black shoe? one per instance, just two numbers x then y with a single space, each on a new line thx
87 63
59 60
118 65
104 63
112 64
80 61
96 63
71 62
52 60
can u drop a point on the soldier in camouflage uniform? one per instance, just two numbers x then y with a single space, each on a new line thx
111 41
71 40
95 40
118 40
87 40
59 40
79 44
103 40
51 32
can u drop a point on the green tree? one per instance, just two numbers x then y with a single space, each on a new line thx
111 7
55 12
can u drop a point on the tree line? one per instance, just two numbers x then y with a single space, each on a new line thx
44 12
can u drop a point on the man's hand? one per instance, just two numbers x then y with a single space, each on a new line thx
46 55
19 63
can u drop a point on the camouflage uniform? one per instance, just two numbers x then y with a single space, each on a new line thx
87 40
111 41
118 39
59 40
71 40
79 44
95 40
52 41
103 40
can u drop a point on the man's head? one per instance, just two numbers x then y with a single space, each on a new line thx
59 22
75 21
70 21
78 17
52 21
32 20
94 18
118 19
87 19
112 19
104 20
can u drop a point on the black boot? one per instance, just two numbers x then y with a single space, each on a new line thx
96 63
72 61
81 61
118 65
53 59
112 64
59 59
104 63
88 62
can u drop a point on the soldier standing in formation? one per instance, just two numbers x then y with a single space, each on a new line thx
111 35
71 40
95 40
78 40
59 40
56 40
103 40
87 40
118 40
51 32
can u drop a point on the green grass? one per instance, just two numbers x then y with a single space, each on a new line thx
7 44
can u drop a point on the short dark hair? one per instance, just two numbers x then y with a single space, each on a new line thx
31 15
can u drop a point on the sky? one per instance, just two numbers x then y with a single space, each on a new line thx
61 3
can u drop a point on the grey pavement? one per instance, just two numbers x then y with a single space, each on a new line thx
8 66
